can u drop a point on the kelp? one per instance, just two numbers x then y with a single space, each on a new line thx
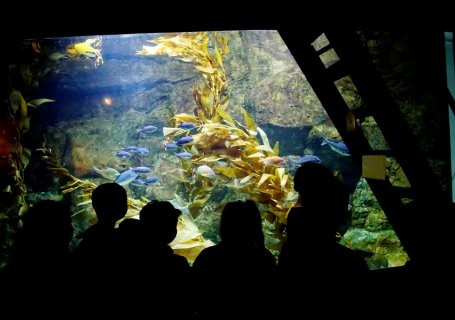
84 187
15 123
231 149
14 158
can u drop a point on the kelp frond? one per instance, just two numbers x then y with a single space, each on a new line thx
75 184
193 47
229 148
54 165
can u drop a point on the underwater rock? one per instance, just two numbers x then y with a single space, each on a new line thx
81 160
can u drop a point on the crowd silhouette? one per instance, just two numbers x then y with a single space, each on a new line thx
225 279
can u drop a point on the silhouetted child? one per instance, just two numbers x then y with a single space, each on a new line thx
238 269
96 253
159 222
164 275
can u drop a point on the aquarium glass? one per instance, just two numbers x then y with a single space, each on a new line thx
199 119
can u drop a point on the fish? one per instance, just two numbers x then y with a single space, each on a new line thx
337 146
184 155
126 177
184 140
108 173
123 154
308 158
142 151
130 148
151 180
295 161
186 125
88 48
141 169
138 182
147 129
205 171
170 146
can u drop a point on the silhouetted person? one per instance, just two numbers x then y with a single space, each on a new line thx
238 268
164 274
311 249
42 256
96 253
159 222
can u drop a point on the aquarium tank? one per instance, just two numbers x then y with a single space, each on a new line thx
195 118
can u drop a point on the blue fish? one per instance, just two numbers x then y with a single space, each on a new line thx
183 140
337 146
123 154
141 169
126 177
151 180
142 151
147 129
170 146
184 155
138 182
308 158
186 125
130 148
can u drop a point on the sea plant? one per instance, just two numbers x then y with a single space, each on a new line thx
224 151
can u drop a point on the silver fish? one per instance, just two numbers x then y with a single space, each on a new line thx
108 173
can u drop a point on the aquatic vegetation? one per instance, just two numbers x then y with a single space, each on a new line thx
224 151
17 123
90 48
84 187
189 241
74 183
212 151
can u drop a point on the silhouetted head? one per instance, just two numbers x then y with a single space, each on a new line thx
110 202
241 223
48 224
311 178
159 219
324 199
